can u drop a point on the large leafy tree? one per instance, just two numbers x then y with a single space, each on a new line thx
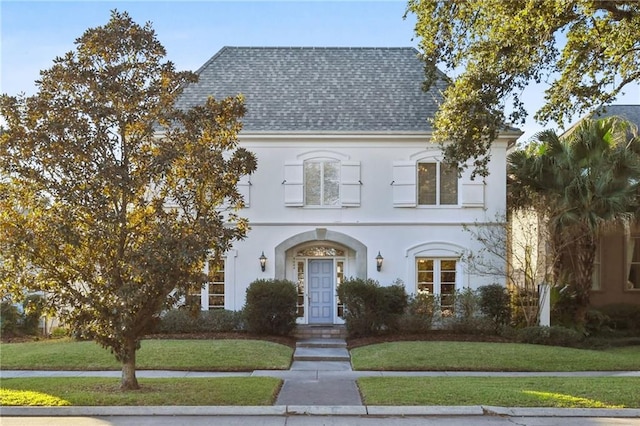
588 50
579 183
112 199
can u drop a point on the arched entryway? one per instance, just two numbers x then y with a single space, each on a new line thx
318 261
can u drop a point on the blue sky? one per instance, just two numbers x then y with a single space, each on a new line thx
33 33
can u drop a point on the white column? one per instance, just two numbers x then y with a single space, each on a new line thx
544 305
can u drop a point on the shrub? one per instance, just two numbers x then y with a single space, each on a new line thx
9 318
467 304
473 325
183 321
220 321
419 314
596 322
33 307
495 304
371 309
60 332
178 321
553 336
271 307
622 317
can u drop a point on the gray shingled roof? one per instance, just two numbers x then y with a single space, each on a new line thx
311 89
629 112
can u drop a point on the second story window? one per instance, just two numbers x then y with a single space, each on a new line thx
321 183
437 184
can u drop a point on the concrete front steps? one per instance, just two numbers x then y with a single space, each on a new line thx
320 332
321 349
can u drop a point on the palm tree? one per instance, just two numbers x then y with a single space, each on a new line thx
580 183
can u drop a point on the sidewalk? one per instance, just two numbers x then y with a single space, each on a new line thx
319 382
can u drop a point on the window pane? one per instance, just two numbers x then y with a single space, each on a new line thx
426 183
216 302
312 183
448 277
634 277
216 288
448 184
426 288
448 265
331 192
446 289
425 264
636 250
425 277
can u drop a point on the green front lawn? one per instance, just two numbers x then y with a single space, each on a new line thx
89 391
193 355
565 392
480 356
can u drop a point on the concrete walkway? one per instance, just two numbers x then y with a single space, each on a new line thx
307 382
319 382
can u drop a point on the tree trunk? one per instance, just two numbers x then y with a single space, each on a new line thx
129 380
586 254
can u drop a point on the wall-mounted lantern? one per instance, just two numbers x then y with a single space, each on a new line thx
379 260
263 261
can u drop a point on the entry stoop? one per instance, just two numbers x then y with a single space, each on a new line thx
332 350
304 332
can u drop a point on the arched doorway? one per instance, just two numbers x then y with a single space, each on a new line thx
318 261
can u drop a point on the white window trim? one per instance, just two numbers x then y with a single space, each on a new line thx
349 186
438 184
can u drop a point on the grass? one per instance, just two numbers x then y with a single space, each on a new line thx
193 355
480 356
559 392
90 391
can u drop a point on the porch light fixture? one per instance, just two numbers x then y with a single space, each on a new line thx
263 261
379 260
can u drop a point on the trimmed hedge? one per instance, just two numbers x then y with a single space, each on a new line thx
271 307
180 321
553 336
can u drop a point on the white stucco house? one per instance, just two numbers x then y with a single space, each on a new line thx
348 183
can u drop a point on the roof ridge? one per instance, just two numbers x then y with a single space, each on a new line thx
322 47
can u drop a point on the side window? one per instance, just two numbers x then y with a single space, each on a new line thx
321 183
437 184
633 263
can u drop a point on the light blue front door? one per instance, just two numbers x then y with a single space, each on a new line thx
321 297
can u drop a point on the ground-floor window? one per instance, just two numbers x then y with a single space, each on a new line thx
437 277
633 263
215 283
595 276
211 294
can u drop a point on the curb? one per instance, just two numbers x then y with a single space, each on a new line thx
338 410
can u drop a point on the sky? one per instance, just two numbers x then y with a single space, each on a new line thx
33 33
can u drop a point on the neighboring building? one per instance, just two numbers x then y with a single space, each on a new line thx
616 275
617 266
347 176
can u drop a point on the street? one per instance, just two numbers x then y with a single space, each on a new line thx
315 421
